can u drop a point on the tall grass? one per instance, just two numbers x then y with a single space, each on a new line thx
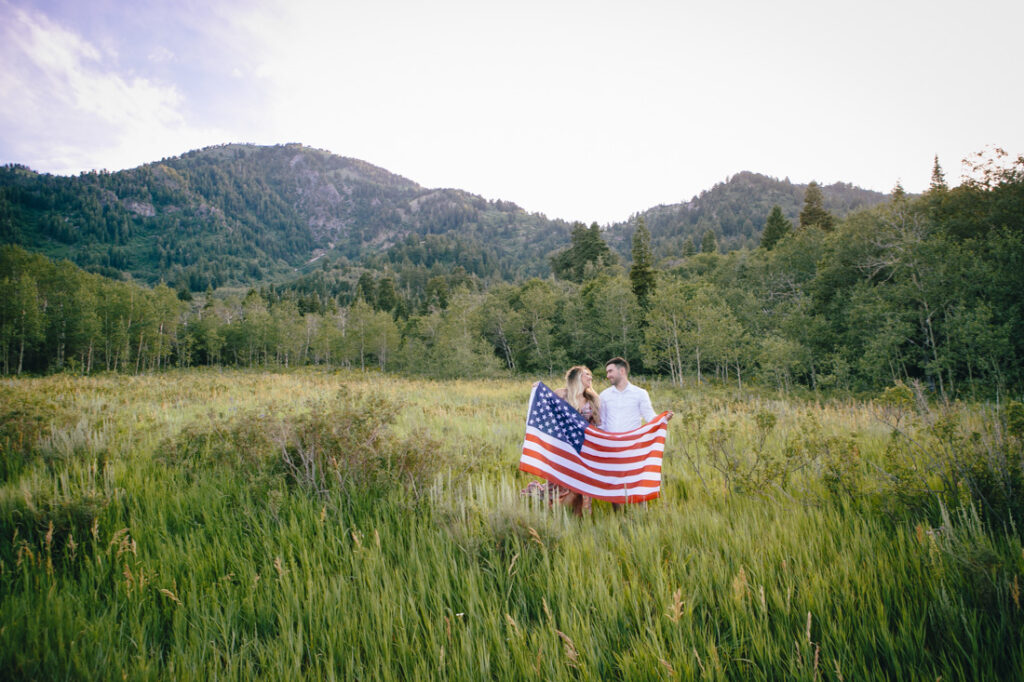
150 528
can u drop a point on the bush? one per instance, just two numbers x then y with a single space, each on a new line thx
344 445
960 462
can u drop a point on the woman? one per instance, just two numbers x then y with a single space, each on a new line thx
579 393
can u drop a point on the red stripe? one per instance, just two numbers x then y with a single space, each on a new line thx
625 448
582 475
626 435
620 498
593 459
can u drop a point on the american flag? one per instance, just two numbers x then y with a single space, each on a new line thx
561 446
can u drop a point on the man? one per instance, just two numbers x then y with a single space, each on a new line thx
624 406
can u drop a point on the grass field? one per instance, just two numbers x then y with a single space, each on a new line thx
242 525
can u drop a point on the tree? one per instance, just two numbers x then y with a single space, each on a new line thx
688 248
387 297
938 183
641 273
813 212
21 319
776 227
664 343
587 248
709 244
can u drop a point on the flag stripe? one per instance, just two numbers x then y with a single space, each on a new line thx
627 493
606 479
595 461
617 467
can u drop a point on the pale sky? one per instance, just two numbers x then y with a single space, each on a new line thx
586 110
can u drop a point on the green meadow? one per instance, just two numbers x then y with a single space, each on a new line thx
318 525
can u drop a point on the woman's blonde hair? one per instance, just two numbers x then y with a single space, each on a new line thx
576 395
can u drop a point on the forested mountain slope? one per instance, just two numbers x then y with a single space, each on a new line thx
245 214
735 211
239 214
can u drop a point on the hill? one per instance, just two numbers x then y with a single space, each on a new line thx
244 214
237 214
735 210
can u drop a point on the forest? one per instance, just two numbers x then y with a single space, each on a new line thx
920 288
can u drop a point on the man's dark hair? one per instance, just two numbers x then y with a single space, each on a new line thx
621 362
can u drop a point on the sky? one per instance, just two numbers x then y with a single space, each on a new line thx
581 110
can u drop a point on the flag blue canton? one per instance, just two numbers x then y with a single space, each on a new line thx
556 418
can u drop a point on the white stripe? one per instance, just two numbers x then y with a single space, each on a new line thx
638 430
546 460
589 464
636 487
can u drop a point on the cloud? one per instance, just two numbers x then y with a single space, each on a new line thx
64 105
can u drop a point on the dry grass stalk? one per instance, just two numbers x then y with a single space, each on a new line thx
570 649
536 536
739 585
170 595
675 609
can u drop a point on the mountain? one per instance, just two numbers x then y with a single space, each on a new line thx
244 214
735 210
235 214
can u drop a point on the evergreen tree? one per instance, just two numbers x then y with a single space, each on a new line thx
709 244
814 212
776 227
641 273
587 247
938 184
899 195
365 288
688 247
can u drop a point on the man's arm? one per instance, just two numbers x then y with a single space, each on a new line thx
646 409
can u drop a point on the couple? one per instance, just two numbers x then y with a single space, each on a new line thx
620 407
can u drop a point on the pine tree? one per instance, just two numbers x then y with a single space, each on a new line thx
814 212
709 244
688 247
899 195
588 248
641 273
938 184
776 227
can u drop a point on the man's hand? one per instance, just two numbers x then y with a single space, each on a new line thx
670 415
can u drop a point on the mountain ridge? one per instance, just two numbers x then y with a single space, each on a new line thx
241 213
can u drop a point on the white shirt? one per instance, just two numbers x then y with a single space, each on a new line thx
625 410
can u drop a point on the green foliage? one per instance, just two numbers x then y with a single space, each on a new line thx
922 288
814 213
735 210
237 214
587 256
641 272
776 227
708 244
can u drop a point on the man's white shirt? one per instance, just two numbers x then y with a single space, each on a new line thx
625 410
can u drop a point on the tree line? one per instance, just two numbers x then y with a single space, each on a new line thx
920 288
